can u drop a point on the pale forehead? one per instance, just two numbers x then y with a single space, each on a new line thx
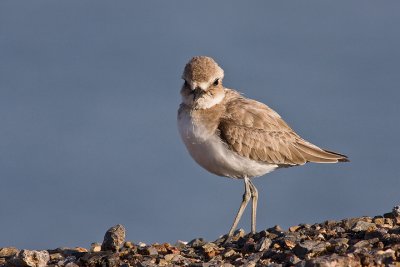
202 69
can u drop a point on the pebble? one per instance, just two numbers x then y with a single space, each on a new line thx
263 244
32 258
8 252
95 247
169 257
294 228
180 244
396 210
196 243
363 226
56 257
229 253
113 238
210 250
360 241
150 251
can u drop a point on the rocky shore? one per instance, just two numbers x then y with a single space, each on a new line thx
362 241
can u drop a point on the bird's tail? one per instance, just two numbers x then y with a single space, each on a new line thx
312 153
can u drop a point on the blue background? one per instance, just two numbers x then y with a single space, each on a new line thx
88 98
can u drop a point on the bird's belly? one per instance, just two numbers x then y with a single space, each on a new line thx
214 155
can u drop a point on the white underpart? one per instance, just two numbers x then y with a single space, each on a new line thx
208 150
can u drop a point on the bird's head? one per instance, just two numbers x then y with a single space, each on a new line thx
202 87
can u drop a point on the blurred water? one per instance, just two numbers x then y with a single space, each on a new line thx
88 99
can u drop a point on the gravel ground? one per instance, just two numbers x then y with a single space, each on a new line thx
363 241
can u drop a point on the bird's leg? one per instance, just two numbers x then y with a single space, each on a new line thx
246 199
254 198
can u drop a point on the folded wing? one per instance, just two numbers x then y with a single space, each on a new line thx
255 131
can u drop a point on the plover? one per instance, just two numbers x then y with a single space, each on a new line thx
233 136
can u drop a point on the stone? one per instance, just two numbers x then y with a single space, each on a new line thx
249 245
379 220
263 244
263 233
197 242
330 223
141 244
389 222
181 244
177 258
103 258
56 257
171 249
8 252
294 228
395 231
303 248
389 215
339 241
113 238
378 233
32 258
275 230
339 229
341 249
396 210
66 252
95 247
67 260
362 243
347 224
128 244
169 257
289 243
80 249
331 261
162 262
308 246
240 233
363 226
150 251
209 250
229 253
385 256
162 249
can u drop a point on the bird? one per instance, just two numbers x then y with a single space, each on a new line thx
233 136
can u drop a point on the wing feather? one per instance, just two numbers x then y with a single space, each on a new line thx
255 131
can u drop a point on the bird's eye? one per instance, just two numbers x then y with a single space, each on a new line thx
216 82
185 83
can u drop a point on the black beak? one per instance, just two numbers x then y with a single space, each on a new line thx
197 92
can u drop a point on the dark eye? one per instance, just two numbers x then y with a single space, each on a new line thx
185 83
216 82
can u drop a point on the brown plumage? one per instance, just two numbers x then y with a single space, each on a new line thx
255 131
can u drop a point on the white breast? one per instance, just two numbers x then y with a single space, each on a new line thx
214 155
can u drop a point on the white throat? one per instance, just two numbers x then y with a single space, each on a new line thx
208 101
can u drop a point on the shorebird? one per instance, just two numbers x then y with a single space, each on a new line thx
233 136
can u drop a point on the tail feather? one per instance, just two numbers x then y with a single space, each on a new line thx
343 158
315 154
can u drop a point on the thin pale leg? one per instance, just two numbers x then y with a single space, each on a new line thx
254 199
245 200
